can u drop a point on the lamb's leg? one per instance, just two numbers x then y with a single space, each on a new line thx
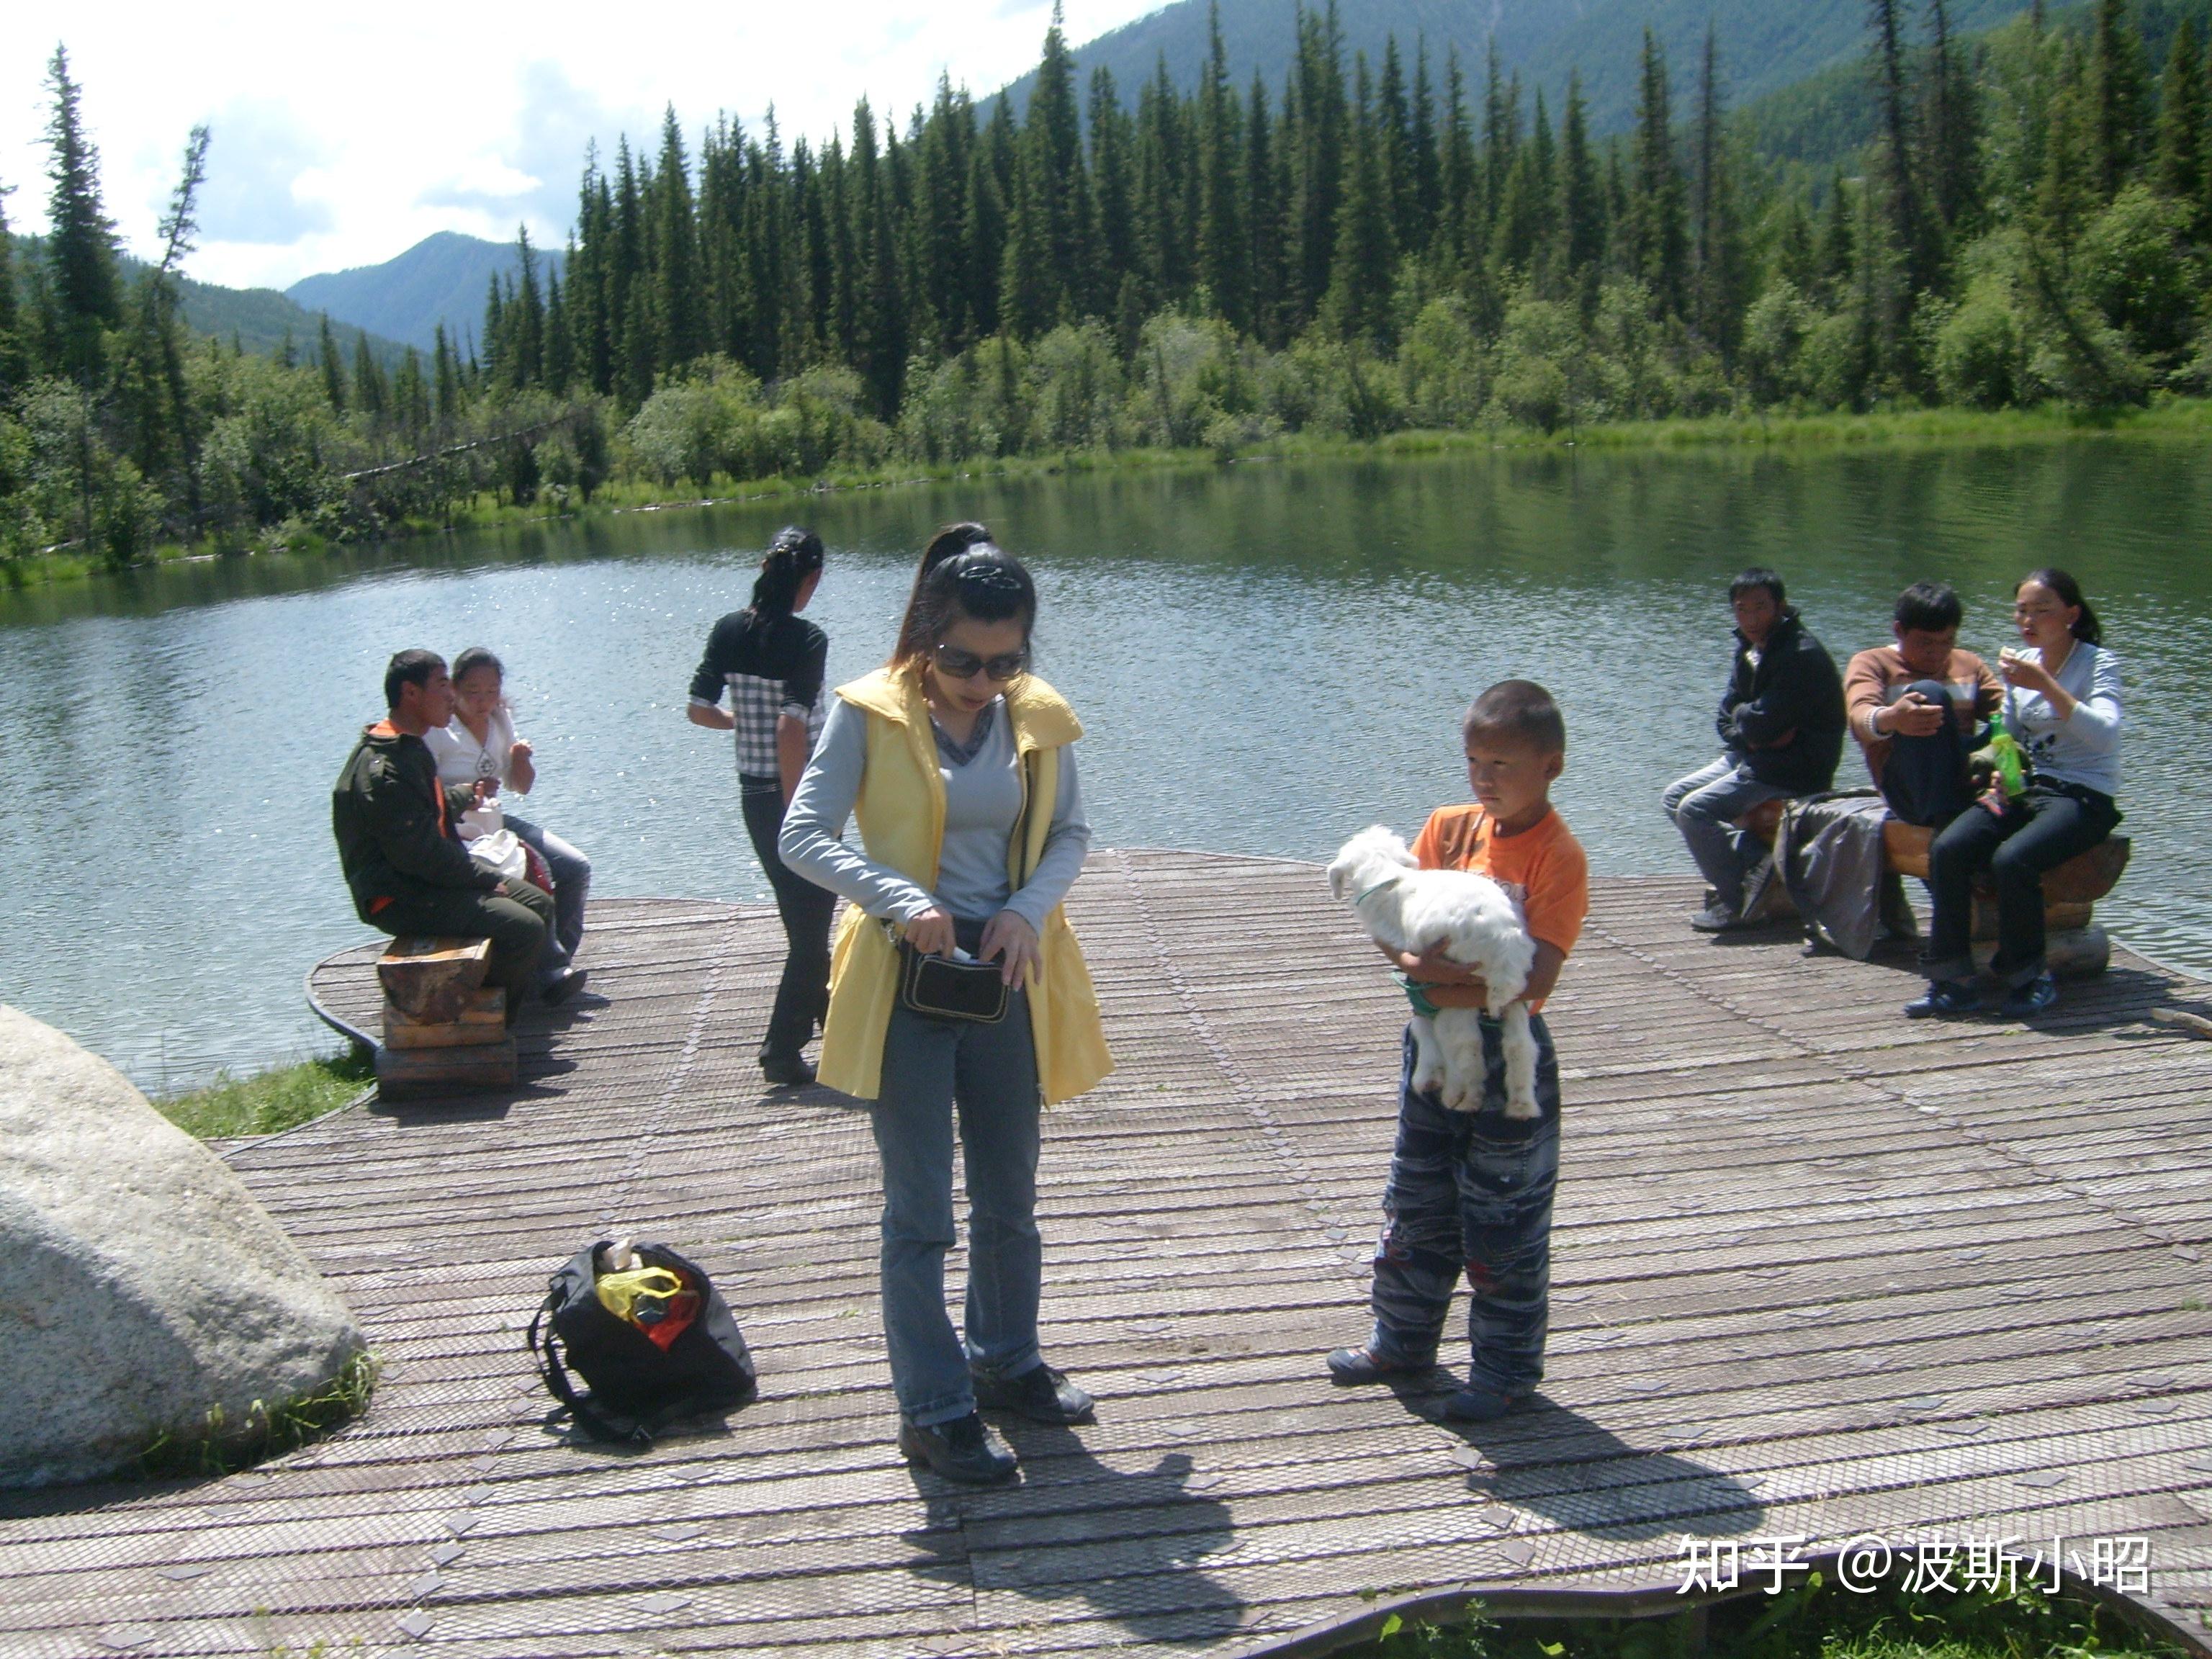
1428 1056
1520 1042
1459 1033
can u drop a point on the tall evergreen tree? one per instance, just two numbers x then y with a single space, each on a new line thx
445 376
1319 164
372 397
679 310
1266 181
1719 261
1952 124
2183 109
1224 248
1357 304
333 367
2119 85
1428 178
1658 240
1905 218
1458 173
15 357
1582 193
80 254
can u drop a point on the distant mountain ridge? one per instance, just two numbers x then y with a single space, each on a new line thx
1765 45
441 279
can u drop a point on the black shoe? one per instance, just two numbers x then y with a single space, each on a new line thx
1040 1394
1946 999
1352 1365
2026 1001
787 1071
562 985
963 1450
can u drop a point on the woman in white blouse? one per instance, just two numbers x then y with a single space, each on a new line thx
2061 703
482 743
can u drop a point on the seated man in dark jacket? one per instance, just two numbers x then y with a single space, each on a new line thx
408 870
1780 726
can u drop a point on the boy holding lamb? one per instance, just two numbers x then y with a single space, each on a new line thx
1472 1189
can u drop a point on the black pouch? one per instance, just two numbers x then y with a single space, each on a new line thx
636 1387
940 988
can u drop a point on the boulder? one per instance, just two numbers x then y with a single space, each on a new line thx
141 1288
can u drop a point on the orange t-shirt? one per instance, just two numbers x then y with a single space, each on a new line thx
1544 867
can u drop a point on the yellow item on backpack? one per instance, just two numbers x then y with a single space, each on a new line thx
620 1294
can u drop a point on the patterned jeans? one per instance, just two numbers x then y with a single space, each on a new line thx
1471 1190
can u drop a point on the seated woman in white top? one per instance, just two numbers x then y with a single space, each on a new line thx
2062 703
481 744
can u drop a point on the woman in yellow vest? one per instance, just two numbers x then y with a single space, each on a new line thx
954 759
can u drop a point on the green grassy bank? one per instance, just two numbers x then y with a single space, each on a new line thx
1814 1619
265 1102
2171 419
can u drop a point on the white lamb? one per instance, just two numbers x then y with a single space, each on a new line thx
1410 909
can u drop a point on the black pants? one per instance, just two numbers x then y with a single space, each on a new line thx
517 926
1924 780
802 996
2039 831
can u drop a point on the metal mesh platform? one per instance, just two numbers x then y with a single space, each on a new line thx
1819 1271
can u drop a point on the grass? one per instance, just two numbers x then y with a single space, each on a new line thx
223 1446
269 1101
2173 418
1814 1619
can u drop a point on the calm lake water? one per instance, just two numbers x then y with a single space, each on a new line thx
1267 656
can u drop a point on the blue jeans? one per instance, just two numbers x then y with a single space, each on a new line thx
2039 831
1704 807
1471 1188
987 1073
572 881
1924 779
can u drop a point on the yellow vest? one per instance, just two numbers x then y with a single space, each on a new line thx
901 812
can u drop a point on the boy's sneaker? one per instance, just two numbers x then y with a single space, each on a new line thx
1946 999
965 1450
1363 1365
1040 1394
2026 1001
1717 918
1476 1404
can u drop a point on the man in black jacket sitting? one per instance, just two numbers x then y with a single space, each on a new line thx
408 871
1780 726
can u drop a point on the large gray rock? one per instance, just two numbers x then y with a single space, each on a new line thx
141 1286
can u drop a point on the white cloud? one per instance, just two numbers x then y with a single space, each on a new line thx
341 138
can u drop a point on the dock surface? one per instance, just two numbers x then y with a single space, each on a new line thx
1820 1272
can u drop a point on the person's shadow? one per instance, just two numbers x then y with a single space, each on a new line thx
1132 1545
1580 1476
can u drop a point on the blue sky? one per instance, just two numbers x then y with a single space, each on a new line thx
341 137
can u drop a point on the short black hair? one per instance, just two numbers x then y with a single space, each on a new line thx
1758 576
1520 710
1929 608
409 668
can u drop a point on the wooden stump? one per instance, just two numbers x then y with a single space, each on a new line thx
445 1030
432 980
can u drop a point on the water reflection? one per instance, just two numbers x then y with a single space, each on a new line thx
1266 656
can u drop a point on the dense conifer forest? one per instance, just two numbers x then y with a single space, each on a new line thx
1367 247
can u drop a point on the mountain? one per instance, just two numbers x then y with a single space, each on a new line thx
441 279
1765 45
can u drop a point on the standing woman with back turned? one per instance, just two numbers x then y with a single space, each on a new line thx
955 760
771 664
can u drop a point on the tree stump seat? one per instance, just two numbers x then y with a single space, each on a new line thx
2074 945
445 1030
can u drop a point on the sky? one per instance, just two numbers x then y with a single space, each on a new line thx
342 135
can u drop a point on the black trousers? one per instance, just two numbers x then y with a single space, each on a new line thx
802 996
2039 831
1924 781
517 925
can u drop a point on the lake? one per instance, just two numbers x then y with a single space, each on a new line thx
1267 656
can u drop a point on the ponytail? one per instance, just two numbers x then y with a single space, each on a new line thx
2087 628
963 573
793 555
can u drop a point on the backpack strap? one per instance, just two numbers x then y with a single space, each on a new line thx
555 1374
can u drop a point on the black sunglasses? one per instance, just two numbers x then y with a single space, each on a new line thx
958 664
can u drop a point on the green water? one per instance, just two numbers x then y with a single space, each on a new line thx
1267 656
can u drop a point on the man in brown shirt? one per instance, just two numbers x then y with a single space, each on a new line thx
1915 706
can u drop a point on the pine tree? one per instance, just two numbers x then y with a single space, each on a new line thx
1224 246
526 364
2182 116
1164 227
1357 304
1721 262
1319 163
1582 194
445 376
411 399
333 367
2118 86
1952 124
1457 173
680 308
15 359
946 154
1394 122
1055 188
1836 258
1265 185
1428 182
86 290
558 367
1658 240
371 396
1905 219
989 184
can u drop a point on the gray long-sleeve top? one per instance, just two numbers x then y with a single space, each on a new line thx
2084 748
982 798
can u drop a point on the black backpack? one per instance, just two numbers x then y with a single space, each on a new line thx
636 1388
